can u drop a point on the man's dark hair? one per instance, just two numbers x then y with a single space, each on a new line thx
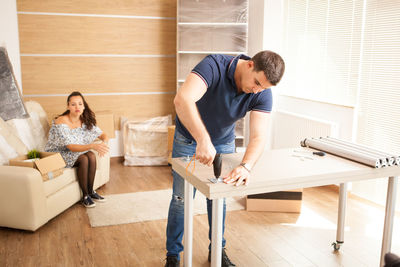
271 64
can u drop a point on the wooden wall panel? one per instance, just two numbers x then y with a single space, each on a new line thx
131 106
60 75
158 8
47 34
88 45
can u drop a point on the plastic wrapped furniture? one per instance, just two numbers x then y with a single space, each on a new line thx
146 142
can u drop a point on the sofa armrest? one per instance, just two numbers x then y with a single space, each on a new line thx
22 198
103 168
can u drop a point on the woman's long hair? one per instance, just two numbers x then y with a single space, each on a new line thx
88 117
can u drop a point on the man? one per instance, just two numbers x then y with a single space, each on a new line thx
218 92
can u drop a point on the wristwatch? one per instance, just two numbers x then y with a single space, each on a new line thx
246 166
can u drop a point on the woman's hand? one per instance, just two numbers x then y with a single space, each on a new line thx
101 148
238 175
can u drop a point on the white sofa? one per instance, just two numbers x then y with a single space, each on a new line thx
27 202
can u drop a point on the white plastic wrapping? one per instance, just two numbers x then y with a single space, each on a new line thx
210 27
213 11
146 142
10 145
187 62
6 152
32 131
224 38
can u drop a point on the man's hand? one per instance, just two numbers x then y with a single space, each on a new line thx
205 152
238 176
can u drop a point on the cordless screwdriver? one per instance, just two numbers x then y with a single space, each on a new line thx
217 165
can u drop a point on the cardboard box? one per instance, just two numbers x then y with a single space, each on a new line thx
281 201
171 133
50 164
105 121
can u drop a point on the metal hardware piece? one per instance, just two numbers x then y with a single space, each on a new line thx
215 180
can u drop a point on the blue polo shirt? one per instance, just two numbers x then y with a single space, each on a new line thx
221 106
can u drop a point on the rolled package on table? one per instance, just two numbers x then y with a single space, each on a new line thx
384 160
342 151
392 159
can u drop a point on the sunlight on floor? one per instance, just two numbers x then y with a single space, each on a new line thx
311 219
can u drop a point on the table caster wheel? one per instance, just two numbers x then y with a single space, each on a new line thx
336 246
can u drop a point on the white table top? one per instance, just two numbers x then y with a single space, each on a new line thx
278 170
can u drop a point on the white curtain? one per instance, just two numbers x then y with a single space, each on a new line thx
322 50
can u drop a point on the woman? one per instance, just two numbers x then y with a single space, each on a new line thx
72 134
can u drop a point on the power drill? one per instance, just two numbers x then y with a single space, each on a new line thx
217 164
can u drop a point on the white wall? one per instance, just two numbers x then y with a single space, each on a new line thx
9 35
116 145
273 25
256 26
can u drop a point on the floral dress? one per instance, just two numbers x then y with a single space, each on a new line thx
60 135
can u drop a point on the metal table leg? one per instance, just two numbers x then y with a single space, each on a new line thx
341 216
389 217
216 230
188 224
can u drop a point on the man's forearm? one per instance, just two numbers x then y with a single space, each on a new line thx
259 122
254 151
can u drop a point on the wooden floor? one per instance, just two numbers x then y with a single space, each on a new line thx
253 238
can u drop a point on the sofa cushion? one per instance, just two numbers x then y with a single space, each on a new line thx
53 185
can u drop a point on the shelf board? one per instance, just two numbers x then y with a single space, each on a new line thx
213 23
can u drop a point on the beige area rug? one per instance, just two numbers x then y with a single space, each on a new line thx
146 206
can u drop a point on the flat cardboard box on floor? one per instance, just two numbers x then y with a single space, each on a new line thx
281 201
50 164
105 121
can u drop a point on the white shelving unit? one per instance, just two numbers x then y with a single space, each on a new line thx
207 27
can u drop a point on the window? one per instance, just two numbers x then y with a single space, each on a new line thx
322 50
347 53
